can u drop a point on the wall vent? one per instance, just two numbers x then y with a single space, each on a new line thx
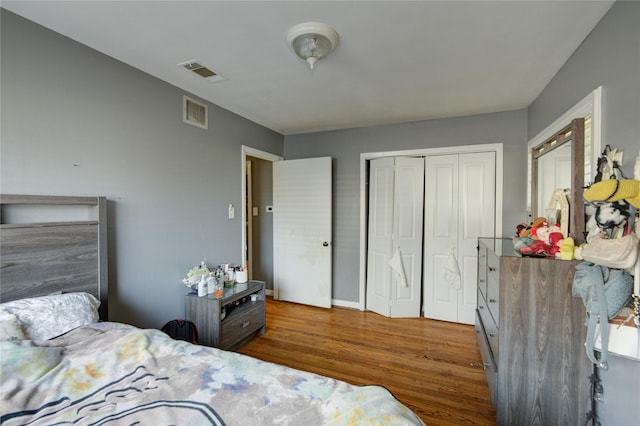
195 113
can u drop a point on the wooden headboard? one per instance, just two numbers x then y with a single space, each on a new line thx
46 257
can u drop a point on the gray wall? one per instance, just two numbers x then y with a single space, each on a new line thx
345 146
609 57
77 122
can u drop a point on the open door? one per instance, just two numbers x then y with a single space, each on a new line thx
302 231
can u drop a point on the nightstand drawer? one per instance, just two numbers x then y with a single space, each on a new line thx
242 324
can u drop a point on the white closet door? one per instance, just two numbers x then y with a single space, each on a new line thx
476 218
396 194
381 185
459 208
407 236
302 231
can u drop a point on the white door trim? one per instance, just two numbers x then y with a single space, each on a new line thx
365 156
253 152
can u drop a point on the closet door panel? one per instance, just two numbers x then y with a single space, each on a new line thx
407 235
476 219
459 208
381 187
441 222
441 188
396 199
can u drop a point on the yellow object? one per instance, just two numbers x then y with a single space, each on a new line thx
566 249
615 190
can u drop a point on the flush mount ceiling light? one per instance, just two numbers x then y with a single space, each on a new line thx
312 41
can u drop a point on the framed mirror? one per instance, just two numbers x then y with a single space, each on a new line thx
557 179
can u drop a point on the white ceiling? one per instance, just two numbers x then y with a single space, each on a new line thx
397 61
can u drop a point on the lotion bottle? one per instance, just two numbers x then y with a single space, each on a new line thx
202 286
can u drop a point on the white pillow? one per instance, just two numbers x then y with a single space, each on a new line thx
43 318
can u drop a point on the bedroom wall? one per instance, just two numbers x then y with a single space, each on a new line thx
609 57
345 146
77 122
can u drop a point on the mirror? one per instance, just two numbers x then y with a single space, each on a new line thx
557 179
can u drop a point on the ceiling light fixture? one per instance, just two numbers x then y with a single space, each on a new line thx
312 41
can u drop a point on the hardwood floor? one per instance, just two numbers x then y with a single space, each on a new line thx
433 367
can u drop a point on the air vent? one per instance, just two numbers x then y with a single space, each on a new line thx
201 70
195 113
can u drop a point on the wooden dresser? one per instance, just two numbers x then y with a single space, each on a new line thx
230 321
531 334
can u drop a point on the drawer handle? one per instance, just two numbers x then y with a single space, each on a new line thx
481 280
480 307
492 269
492 300
492 335
246 324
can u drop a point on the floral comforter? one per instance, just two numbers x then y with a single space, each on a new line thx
112 374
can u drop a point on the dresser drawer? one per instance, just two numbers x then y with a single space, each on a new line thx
488 362
490 327
493 286
234 329
482 269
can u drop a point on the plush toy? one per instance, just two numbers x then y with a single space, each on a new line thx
566 249
551 236
526 230
542 231
612 215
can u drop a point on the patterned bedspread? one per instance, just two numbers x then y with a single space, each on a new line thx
114 374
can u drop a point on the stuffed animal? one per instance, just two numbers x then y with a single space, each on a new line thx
524 230
612 215
544 231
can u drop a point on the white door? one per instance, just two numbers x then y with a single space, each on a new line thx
302 231
459 208
394 260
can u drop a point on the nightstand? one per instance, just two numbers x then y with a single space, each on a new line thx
230 321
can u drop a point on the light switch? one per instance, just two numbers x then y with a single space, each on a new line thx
255 211
232 211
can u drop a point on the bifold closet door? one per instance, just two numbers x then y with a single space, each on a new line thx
395 232
459 208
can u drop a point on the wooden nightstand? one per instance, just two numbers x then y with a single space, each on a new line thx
230 321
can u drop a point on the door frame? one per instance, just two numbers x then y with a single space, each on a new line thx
425 152
263 155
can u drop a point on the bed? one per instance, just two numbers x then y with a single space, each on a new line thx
63 362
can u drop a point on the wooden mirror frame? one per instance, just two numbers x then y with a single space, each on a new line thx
574 132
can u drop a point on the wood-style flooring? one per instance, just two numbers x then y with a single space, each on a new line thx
433 367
